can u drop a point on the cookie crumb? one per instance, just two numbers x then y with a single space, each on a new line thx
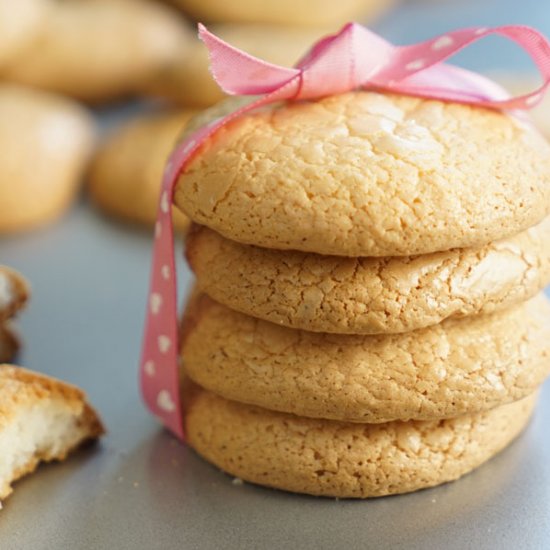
237 481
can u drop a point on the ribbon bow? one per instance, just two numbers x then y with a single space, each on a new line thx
351 59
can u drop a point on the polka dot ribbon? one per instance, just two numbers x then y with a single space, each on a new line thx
351 59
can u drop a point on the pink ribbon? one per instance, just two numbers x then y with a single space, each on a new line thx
353 58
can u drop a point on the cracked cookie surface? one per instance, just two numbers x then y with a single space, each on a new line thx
369 295
366 174
457 367
336 459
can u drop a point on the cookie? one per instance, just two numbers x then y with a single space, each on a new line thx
100 50
188 80
41 419
9 343
369 295
20 21
366 174
336 459
45 143
126 174
285 12
457 367
14 292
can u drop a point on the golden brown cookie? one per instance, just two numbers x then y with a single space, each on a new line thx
126 174
14 292
188 80
41 419
457 367
9 343
366 174
45 143
20 21
369 295
286 12
336 459
100 50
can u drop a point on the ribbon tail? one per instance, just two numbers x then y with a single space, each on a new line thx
159 371
418 69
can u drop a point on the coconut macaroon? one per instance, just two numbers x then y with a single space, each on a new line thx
41 419
100 50
285 12
188 79
366 174
45 143
126 173
339 459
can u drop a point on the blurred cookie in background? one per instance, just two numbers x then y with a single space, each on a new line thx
20 21
99 50
309 13
188 80
126 173
45 143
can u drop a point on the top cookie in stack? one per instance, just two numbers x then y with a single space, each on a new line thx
364 174
364 214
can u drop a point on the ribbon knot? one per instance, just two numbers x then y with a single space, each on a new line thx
357 58
353 58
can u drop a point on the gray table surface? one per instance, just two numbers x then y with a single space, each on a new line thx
141 489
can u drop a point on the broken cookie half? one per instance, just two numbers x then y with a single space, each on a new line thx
41 419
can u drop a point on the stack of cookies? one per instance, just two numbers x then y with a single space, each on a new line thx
367 319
